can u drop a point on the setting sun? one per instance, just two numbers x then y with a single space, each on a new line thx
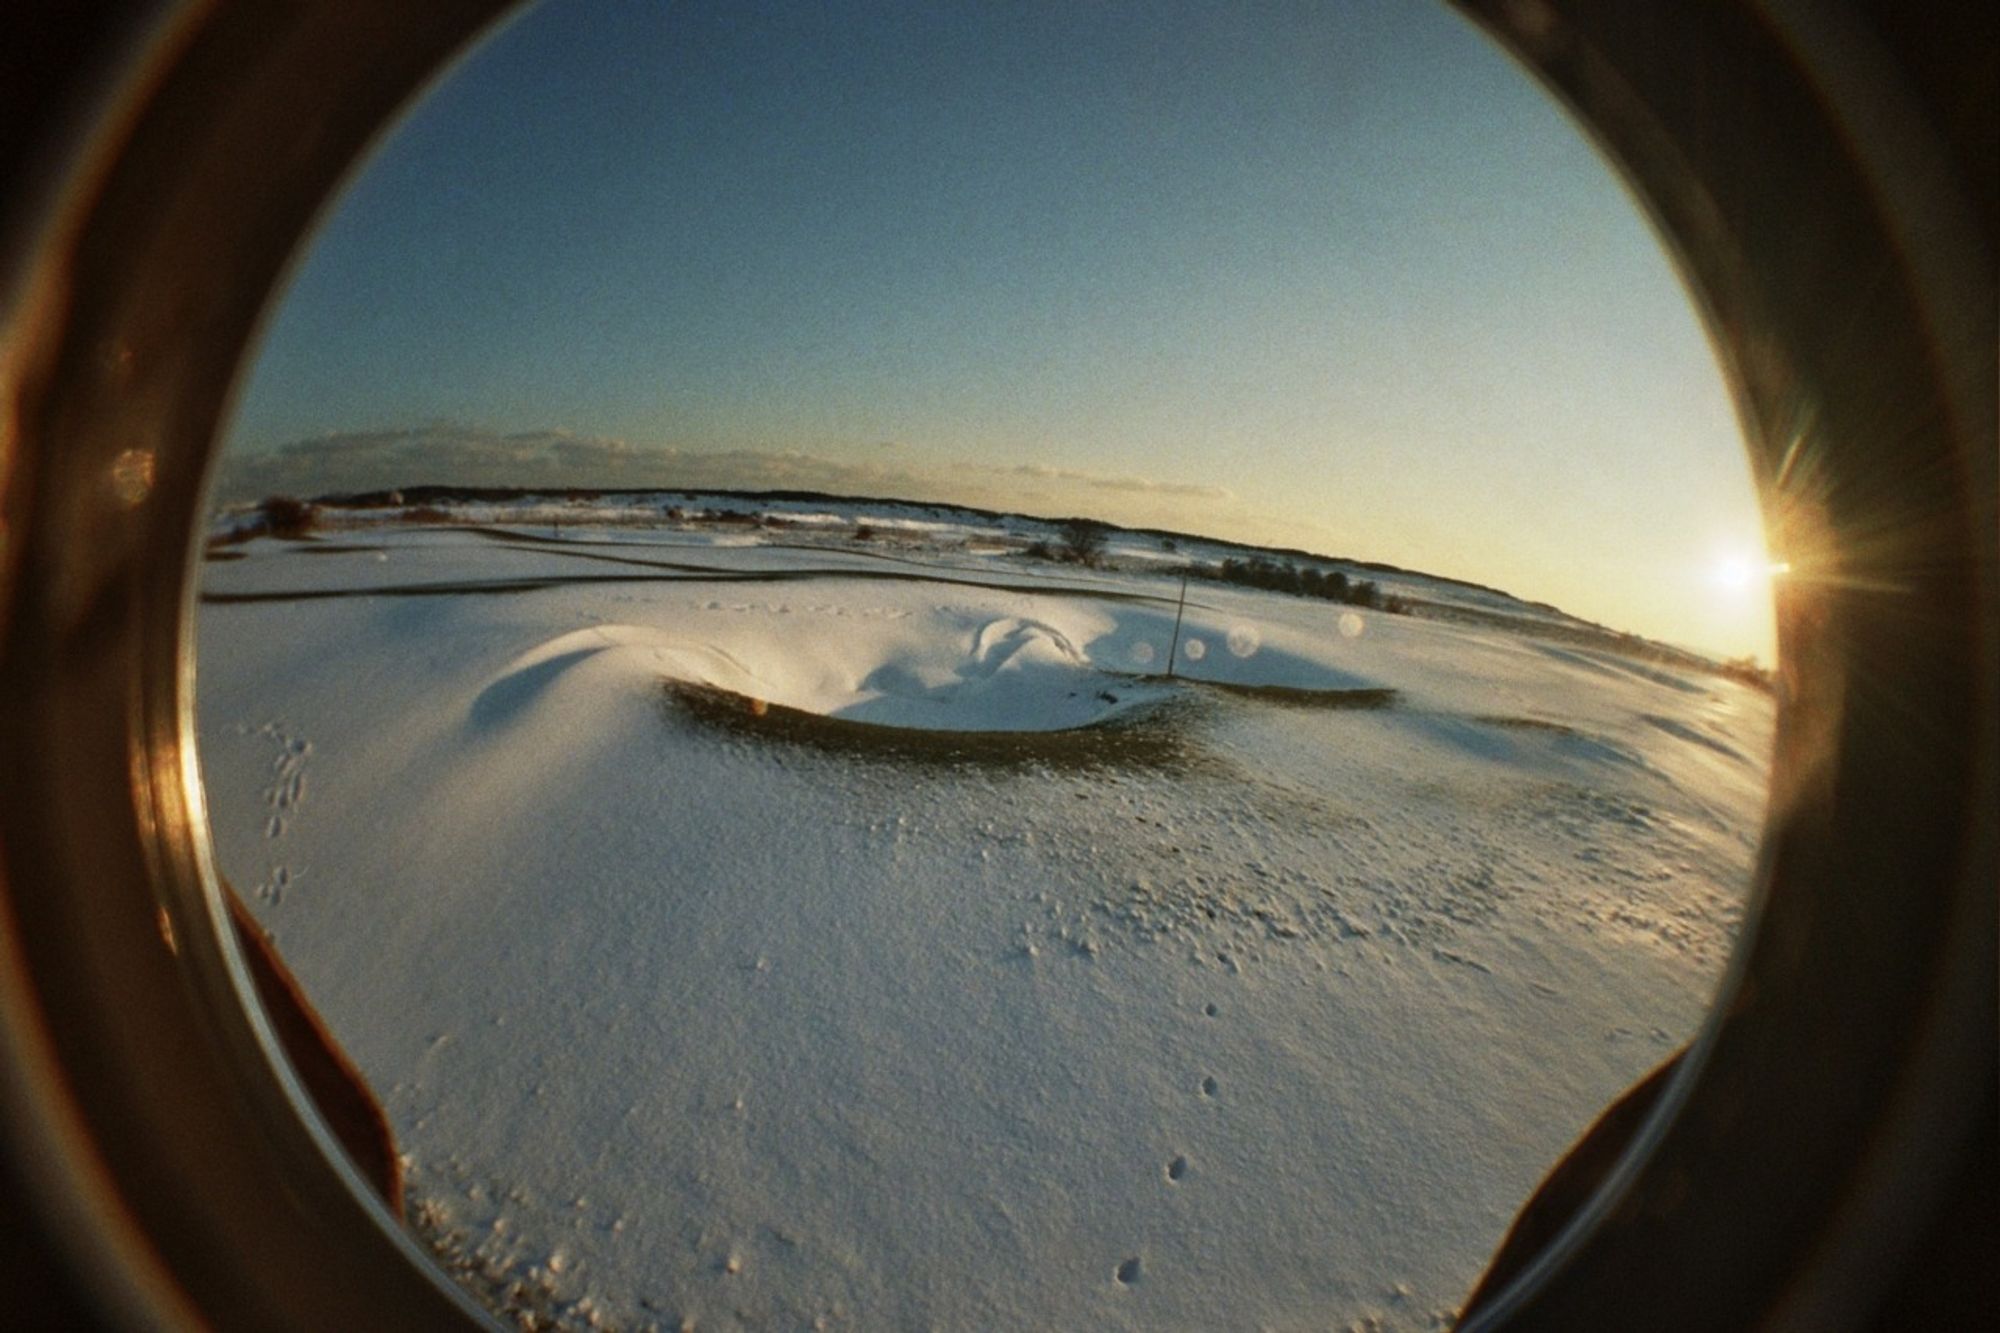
1741 573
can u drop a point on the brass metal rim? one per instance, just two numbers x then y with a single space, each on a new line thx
164 1155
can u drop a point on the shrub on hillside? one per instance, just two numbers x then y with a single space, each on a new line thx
1083 539
1329 585
287 516
1746 670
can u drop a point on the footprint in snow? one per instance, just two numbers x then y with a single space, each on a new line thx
287 791
272 890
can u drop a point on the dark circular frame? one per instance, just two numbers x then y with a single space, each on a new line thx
1822 174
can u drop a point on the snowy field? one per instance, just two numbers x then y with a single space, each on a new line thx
770 930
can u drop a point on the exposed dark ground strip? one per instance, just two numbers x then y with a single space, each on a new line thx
1526 724
640 562
886 556
1292 696
1155 736
494 532
694 574
536 544
502 535
1163 736
1158 736
1526 626
505 536
485 587
568 546
645 563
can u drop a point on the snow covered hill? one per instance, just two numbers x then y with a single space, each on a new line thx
750 926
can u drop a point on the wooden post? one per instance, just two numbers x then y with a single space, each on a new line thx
1180 611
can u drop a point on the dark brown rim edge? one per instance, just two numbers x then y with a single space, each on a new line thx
1851 303
177 1162
1836 257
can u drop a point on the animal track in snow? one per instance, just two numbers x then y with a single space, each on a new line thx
287 789
272 889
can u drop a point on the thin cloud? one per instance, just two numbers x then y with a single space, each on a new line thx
1113 482
454 454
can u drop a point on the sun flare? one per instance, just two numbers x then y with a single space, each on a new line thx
1743 574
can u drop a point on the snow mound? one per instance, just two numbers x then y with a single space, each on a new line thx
949 672
1261 1005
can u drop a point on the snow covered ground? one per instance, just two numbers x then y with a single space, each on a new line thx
703 991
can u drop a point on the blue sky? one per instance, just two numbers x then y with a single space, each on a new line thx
1335 275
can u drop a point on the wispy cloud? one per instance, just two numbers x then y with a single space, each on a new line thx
460 455
1111 482
455 454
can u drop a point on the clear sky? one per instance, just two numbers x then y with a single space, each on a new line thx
1331 275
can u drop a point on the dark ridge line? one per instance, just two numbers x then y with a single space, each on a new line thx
1625 642
503 535
508 539
1532 724
1074 584
432 492
1295 696
1158 735
500 532
1077 583
1151 736
463 587
490 586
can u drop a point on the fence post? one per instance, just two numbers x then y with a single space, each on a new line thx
1179 611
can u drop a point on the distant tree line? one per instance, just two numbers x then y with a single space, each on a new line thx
1082 541
1079 541
1309 581
1746 670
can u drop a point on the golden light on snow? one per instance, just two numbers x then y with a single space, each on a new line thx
914 714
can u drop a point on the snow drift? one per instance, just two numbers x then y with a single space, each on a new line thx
1255 997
